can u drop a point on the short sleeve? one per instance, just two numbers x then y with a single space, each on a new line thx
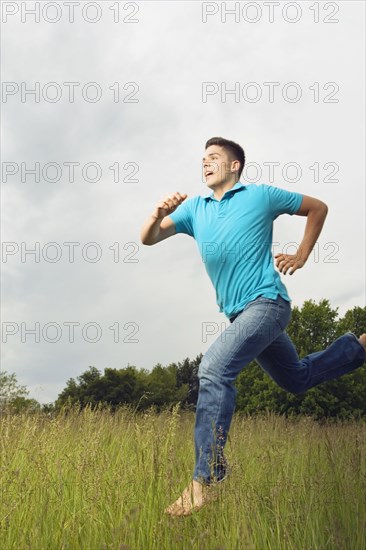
182 218
282 201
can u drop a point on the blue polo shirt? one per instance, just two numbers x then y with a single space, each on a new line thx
234 238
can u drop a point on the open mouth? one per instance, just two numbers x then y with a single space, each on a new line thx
208 174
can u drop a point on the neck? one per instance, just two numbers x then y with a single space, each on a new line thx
221 189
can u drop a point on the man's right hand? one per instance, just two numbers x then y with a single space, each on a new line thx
168 204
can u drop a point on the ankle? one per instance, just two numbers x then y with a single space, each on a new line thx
362 340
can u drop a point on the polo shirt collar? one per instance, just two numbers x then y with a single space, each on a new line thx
237 187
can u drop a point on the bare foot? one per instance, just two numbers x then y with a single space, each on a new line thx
193 498
362 340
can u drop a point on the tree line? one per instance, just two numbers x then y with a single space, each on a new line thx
312 328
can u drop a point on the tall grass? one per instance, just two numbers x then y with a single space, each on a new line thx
96 480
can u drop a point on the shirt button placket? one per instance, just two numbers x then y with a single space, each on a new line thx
222 208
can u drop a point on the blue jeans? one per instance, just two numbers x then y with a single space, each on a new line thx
257 332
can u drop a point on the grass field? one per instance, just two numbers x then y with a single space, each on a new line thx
95 480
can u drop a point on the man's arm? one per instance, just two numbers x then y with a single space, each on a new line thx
158 227
316 212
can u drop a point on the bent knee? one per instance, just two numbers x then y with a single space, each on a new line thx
207 373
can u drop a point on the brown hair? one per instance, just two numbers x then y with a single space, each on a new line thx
235 151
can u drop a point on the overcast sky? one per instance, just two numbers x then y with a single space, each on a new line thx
153 88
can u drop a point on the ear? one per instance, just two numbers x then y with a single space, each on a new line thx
235 165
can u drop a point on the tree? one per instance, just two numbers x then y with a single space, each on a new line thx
115 386
9 387
13 395
162 387
353 321
313 327
187 374
118 386
22 404
79 392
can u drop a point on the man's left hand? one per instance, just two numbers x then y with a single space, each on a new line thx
289 262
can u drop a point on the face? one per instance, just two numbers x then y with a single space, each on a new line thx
217 166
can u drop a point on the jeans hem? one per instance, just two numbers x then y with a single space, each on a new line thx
358 341
210 482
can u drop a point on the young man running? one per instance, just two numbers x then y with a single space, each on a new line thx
233 230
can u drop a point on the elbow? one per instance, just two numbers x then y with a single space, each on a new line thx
145 241
142 239
324 208
318 211
319 208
